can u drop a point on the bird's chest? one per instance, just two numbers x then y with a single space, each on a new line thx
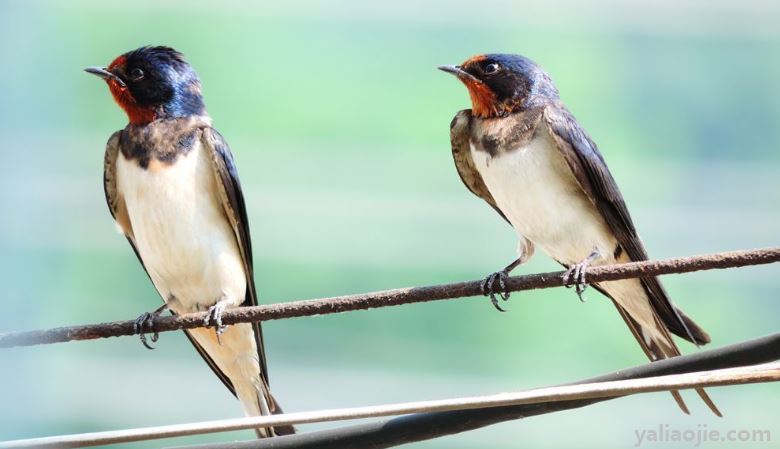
179 226
167 202
534 187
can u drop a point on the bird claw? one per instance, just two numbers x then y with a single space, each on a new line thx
214 318
488 288
145 323
575 277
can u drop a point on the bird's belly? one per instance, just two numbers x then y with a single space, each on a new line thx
534 187
181 231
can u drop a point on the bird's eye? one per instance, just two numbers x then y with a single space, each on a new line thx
136 74
491 68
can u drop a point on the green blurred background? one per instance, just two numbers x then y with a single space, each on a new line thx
338 121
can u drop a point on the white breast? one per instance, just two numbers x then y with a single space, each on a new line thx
537 192
181 231
539 195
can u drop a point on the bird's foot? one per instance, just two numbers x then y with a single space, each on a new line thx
145 323
488 288
214 317
575 275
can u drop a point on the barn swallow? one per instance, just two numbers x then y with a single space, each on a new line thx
173 190
521 151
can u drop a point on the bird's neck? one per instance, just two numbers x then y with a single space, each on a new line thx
186 102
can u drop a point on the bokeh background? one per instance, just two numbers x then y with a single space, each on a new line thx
338 121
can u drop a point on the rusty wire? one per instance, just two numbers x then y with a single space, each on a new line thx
395 297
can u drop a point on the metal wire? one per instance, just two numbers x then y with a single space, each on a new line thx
394 297
435 418
732 376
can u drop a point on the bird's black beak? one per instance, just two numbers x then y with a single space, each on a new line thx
105 74
459 72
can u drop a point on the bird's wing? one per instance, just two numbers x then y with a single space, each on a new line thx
232 199
461 154
114 199
116 205
593 176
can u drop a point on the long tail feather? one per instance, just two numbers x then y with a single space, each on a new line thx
268 404
658 347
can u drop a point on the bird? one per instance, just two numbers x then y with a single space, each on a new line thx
520 150
173 190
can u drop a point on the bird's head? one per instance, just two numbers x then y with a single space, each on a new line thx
500 84
152 83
